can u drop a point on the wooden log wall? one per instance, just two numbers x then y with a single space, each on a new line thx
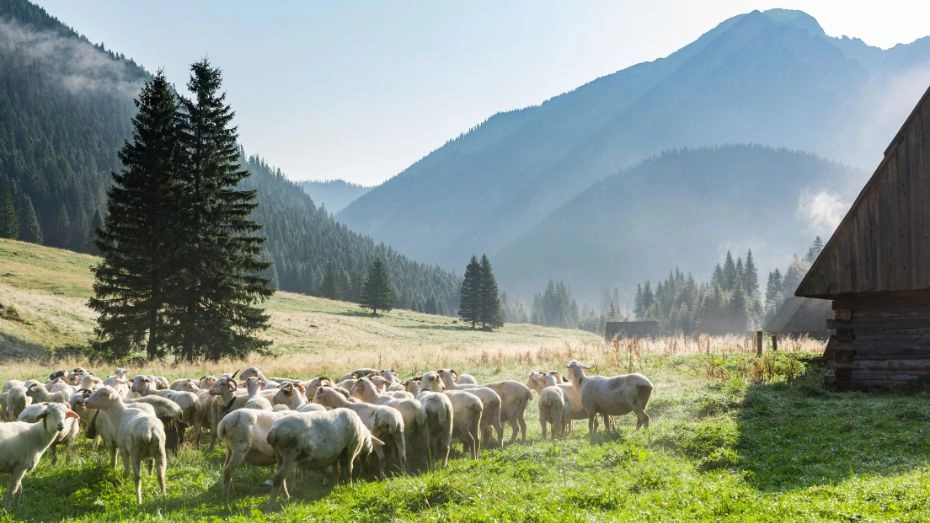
880 341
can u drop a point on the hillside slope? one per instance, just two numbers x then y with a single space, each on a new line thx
43 312
772 78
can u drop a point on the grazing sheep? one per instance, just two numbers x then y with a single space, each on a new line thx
243 432
612 396
192 412
169 413
184 385
38 392
17 399
416 428
385 423
37 411
255 400
552 406
290 394
310 386
140 435
466 411
22 445
96 423
317 440
573 409
492 415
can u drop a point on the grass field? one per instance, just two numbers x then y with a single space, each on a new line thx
734 437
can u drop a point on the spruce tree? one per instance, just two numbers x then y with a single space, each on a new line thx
489 309
29 228
377 293
331 288
470 295
135 278
223 259
9 222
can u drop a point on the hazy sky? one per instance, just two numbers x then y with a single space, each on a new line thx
359 90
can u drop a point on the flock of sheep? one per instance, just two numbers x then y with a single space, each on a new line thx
319 424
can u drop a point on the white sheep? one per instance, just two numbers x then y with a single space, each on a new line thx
22 445
243 432
184 385
290 394
38 392
552 407
573 408
317 440
140 435
466 410
492 415
384 422
17 399
416 428
255 400
612 396
515 396
192 412
96 423
37 411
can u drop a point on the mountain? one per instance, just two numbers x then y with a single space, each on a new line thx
335 195
66 108
685 208
771 78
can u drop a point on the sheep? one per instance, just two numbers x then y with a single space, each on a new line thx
290 394
143 385
573 409
17 399
514 398
170 414
58 385
36 411
464 379
552 407
90 382
317 440
491 417
140 435
38 392
386 423
22 445
192 412
416 430
243 432
466 411
310 386
255 401
612 396
358 373
184 384
96 423
225 399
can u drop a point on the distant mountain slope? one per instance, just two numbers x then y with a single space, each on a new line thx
66 108
335 195
684 208
773 78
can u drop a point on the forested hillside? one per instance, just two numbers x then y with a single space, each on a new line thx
684 208
65 110
335 195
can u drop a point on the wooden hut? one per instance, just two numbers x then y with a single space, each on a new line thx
799 316
631 329
876 269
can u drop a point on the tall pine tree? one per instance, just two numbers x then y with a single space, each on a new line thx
470 295
223 259
489 309
377 293
138 242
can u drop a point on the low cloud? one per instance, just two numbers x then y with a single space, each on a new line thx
821 211
74 62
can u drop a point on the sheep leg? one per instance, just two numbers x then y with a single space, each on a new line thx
137 477
233 460
592 423
542 425
642 419
160 467
15 487
401 450
279 481
557 426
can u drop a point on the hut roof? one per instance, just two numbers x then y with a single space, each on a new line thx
883 243
800 316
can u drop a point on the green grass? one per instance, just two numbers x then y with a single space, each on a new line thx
733 447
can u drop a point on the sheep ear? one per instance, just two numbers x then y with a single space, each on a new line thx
376 442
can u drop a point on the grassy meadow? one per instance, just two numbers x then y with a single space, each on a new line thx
733 436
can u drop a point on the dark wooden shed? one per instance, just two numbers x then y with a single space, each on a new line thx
631 329
876 269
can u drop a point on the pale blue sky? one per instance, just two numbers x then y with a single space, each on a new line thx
359 90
